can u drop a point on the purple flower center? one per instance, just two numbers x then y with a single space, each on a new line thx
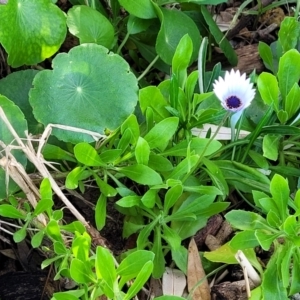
233 102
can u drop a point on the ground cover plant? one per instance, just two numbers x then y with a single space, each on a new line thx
124 101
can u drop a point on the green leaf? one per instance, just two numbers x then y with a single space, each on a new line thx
286 265
15 87
290 226
20 235
100 212
244 240
171 236
184 167
77 174
133 263
295 278
288 71
171 33
271 146
53 231
74 226
52 152
105 270
18 122
268 88
141 174
265 239
137 25
142 239
181 59
282 116
259 159
159 257
280 191
92 89
42 206
45 189
38 26
37 239
243 177
70 295
131 123
172 196
90 26
245 220
149 198
216 176
196 144
160 135
219 37
142 9
87 155
142 151
129 201
81 246
9 211
105 188
59 248
272 286
159 163
151 96
140 280
292 104
224 254
288 33
265 53
180 257
109 156
80 272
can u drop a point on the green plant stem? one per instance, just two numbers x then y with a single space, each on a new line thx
123 42
148 68
206 147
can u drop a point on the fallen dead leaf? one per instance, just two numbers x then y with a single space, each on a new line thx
173 282
196 274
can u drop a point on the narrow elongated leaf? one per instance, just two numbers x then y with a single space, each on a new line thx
105 269
245 220
133 263
80 272
219 37
140 280
280 191
160 135
289 71
9 211
141 174
172 196
87 155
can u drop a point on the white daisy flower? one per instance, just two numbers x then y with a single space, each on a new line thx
234 91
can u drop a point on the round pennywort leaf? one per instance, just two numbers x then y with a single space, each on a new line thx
31 31
89 88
